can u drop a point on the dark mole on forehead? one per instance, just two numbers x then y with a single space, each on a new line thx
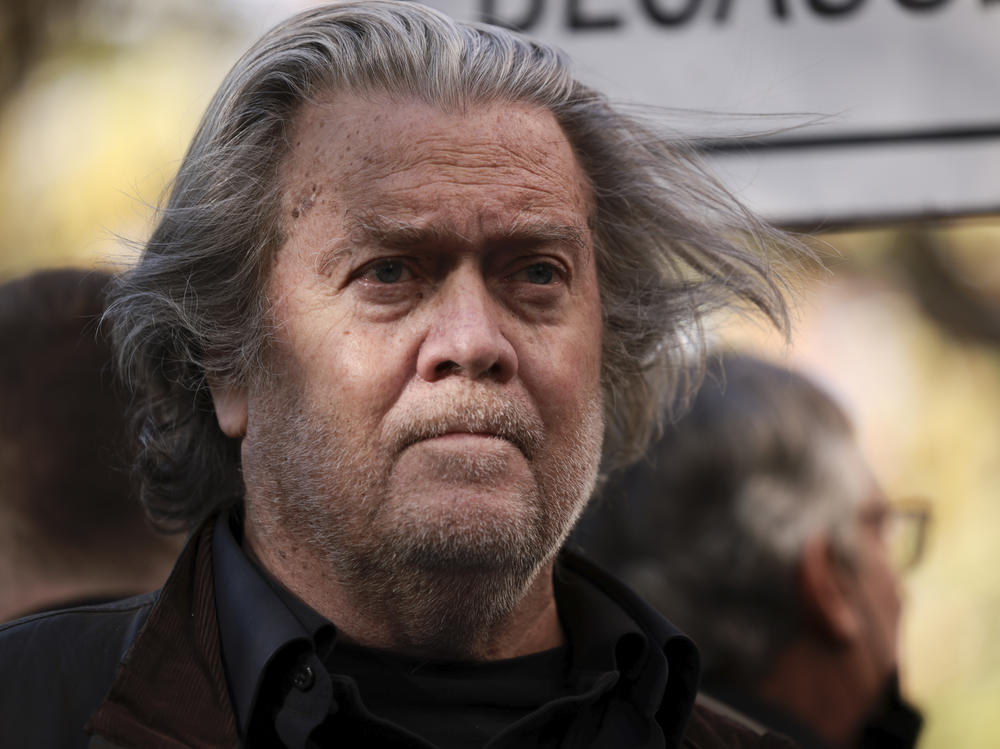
305 201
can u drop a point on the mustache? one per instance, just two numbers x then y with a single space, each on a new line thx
474 413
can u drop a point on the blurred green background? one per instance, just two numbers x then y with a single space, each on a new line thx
99 100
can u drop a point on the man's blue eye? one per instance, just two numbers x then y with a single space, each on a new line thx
539 273
388 271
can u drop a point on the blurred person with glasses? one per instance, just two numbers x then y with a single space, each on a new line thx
904 526
757 523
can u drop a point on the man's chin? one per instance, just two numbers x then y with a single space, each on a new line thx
462 478
460 527
453 520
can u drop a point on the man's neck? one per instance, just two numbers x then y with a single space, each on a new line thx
472 615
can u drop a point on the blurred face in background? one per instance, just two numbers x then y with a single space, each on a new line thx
873 589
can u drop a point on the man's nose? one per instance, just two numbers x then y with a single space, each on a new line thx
464 336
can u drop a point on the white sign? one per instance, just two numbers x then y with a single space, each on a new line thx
817 111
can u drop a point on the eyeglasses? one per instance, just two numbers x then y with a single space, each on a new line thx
906 530
903 527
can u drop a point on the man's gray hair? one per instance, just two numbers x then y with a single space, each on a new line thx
711 527
671 244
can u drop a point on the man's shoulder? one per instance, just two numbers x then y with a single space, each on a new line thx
58 665
713 724
85 635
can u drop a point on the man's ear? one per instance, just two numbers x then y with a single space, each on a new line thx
230 409
825 585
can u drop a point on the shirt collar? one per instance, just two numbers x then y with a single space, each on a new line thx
608 626
611 628
257 619
603 636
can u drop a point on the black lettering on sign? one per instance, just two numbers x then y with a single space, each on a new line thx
778 7
673 17
828 8
923 4
576 19
488 13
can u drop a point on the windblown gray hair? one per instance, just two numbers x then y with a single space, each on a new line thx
671 244
711 527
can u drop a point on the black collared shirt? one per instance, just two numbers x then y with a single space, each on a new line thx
626 679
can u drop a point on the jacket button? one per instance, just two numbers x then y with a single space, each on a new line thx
303 678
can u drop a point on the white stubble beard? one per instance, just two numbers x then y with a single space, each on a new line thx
446 579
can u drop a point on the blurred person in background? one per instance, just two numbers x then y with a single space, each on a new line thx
756 522
71 530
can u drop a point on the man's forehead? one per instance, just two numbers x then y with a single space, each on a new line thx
422 170
381 134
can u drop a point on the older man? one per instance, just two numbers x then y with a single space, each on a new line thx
757 523
412 282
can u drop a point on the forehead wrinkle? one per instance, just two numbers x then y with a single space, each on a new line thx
370 226
490 163
440 157
395 183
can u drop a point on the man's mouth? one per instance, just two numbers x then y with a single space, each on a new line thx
459 434
505 422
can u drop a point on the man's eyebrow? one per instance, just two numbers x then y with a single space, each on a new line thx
535 232
394 234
